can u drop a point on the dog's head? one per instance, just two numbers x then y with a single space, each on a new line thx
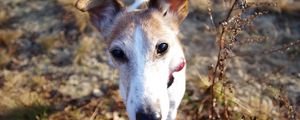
143 45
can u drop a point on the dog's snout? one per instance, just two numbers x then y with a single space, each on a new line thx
141 115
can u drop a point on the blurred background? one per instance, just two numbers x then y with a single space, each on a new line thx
53 64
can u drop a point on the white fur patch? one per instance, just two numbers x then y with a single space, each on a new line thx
136 83
136 5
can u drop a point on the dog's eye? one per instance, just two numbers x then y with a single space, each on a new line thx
162 48
118 54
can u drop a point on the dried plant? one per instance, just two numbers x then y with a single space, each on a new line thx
235 24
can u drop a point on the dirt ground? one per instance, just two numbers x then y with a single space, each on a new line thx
53 64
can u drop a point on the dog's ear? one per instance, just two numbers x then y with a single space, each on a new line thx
176 8
102 12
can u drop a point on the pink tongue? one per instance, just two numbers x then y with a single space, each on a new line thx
180 66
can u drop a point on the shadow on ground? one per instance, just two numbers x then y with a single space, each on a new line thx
27 113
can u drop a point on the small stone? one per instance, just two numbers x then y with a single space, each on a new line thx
97 93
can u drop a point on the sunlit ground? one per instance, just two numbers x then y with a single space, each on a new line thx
53 64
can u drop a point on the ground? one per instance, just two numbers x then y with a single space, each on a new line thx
53 64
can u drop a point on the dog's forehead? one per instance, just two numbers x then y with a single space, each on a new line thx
126 23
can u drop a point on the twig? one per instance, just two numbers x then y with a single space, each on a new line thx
284 47
210 14
267 52
95 112
221 47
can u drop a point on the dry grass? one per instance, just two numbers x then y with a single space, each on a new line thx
255 75
9 37
48 42
3 16
8 45
83 49
21 103
228 34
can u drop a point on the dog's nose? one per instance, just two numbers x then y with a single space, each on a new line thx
140 115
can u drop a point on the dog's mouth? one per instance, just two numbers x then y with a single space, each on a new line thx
177 69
